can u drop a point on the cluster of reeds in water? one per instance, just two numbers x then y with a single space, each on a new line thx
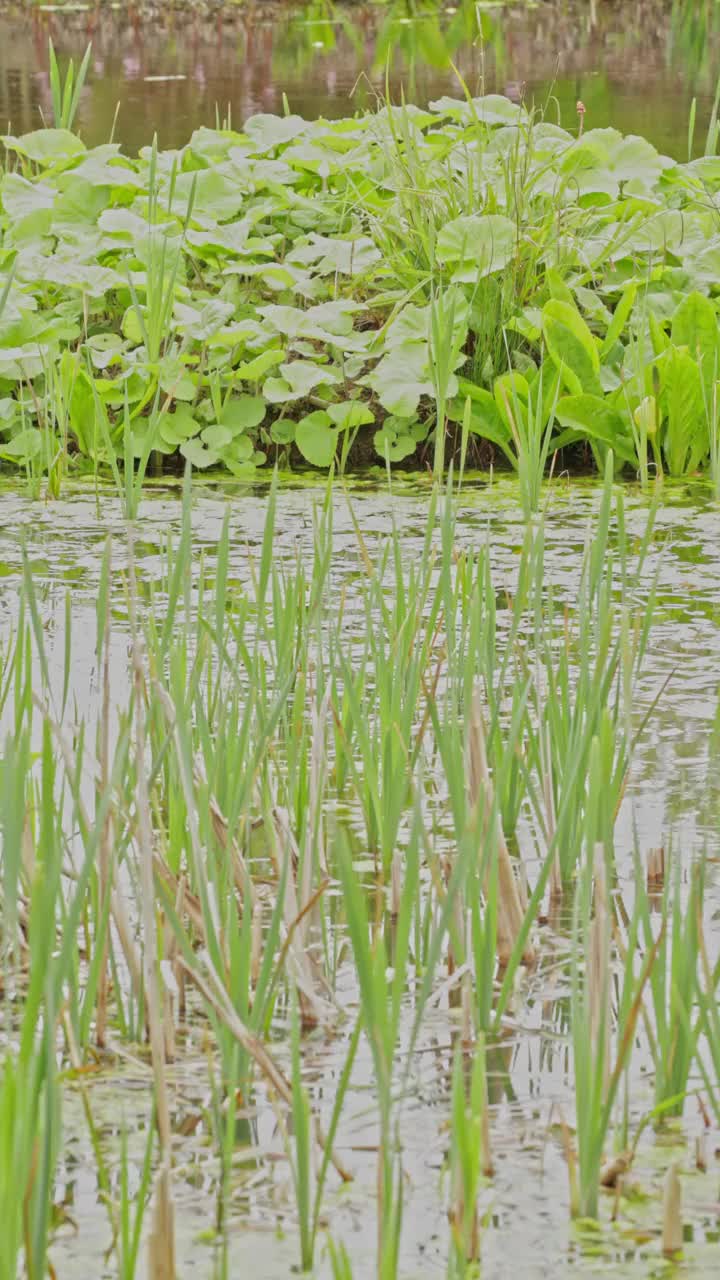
181 856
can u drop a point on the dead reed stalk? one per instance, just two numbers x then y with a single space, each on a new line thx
672 1229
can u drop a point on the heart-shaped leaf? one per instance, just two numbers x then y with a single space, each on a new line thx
316 438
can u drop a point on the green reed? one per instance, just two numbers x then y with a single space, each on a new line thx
601 1050
34 906
66 90
674 988
307 773
583 692
468 1157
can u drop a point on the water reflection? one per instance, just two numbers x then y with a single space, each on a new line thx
637 67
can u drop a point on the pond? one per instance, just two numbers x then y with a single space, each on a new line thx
246 815
166 69
671 799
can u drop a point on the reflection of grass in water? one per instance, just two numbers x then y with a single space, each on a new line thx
693 40
204 812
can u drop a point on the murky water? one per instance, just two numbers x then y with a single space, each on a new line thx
673 797
163 69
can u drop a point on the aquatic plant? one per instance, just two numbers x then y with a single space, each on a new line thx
469 1157
282 289
673 986
598 1065
319 804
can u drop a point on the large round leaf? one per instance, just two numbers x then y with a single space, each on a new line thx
479 243
316 438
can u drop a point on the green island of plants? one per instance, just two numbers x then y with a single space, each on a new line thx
408 279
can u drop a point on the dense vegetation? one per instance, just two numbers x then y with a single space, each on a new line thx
399 274
278 835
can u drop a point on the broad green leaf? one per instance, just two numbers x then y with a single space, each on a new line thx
242 413
619 320
646 416
329 322
27 204
46 146
350 414
176 379
594 418
240 458
240 449
411 324
486 420
299 378
268 132
603 162
200 323
217 437
131 226
572 347
23 447
402 377
85 277
492 108
78 206
104 166
131 326
512 394
686 437
215 193
695 325
282 430
479 243
558 288
8 411
198 455
316 438
254 370
658 336
179 426
393 444
326 254
80 400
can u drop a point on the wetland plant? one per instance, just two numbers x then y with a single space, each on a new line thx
319 800
601 1052
469 1158
66 90
470 265
674 988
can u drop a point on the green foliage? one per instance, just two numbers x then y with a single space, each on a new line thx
674 987
396 263
65 100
